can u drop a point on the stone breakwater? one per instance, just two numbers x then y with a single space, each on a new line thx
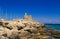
26 28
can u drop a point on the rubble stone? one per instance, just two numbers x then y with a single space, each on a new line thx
26 28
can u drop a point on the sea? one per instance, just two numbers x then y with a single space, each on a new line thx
54 26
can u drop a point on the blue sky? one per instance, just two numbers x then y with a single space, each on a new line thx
45 11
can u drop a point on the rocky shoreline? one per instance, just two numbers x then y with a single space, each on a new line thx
26 28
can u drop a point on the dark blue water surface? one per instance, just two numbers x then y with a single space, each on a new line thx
54 26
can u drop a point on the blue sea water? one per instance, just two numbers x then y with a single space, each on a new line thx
54 26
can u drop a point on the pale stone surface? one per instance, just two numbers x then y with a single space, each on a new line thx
26 28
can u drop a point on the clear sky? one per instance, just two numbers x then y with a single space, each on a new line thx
45 11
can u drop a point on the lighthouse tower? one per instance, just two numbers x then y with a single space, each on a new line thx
28 17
